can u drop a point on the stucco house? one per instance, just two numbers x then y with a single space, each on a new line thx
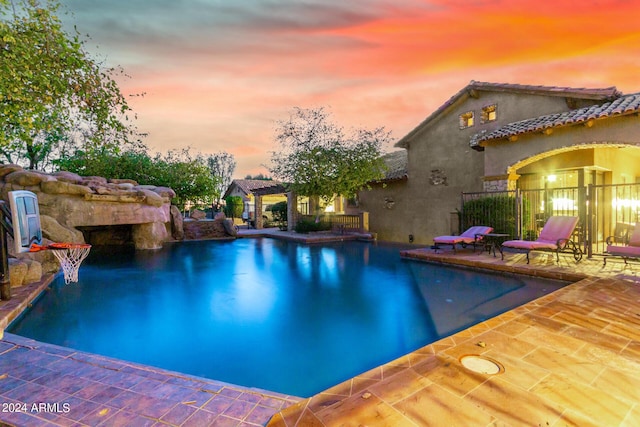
494 136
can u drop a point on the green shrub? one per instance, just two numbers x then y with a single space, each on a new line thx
279 212
498 212
529 235
234 206
306 226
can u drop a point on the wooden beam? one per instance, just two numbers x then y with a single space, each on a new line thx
513 138
547 131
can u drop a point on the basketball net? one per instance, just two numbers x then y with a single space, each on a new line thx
70 256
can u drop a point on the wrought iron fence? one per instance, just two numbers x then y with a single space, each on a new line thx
614 211
498 209
604 210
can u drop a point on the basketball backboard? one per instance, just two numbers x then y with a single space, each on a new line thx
25 217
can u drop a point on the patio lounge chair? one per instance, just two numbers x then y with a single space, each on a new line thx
632 250
471 236
555 236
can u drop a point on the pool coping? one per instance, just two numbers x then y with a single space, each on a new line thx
550 272
21 298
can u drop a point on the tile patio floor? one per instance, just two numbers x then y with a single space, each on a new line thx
571 358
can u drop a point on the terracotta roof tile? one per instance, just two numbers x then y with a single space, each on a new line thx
255 184
396 163
602 94
624 105
249 186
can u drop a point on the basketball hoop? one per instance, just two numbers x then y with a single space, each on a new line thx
70 256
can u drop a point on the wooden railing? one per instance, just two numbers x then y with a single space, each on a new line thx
342 223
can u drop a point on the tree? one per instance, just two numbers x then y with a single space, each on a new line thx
221 165
53 97
259 177
187 175
135 165
317 158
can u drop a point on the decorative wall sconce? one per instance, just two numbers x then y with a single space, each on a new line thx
410 238
438 177
389 203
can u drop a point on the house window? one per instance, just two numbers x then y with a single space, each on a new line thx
466 120
489 114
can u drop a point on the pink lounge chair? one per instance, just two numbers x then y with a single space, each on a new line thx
471 236
632 250
555 236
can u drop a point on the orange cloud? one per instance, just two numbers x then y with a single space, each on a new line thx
491 34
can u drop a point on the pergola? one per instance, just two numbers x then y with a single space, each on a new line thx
259 193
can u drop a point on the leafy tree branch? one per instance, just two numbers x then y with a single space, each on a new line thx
317 158
54 97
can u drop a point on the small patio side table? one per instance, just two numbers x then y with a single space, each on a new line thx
493 241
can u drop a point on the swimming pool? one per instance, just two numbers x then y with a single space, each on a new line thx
267 313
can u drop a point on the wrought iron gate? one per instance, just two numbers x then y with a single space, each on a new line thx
604 211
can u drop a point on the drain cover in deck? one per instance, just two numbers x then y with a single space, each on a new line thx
481 364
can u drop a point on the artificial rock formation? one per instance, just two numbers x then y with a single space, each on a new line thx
24 271
198 215
69 203
218 228
177 228
74 209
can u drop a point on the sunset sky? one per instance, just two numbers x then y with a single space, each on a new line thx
218 74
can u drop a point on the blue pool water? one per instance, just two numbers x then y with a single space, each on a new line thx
265 313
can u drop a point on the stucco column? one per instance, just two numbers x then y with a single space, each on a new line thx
338 205
292 210
364 222
512 181
258 213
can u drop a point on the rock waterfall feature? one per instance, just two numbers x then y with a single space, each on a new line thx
69 202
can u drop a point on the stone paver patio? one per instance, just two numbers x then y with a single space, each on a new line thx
47 385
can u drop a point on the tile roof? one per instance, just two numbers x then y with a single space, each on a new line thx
608 93
249 186
396 163
629 104
602 94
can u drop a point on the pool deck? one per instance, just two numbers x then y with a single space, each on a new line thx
569 358
47 385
